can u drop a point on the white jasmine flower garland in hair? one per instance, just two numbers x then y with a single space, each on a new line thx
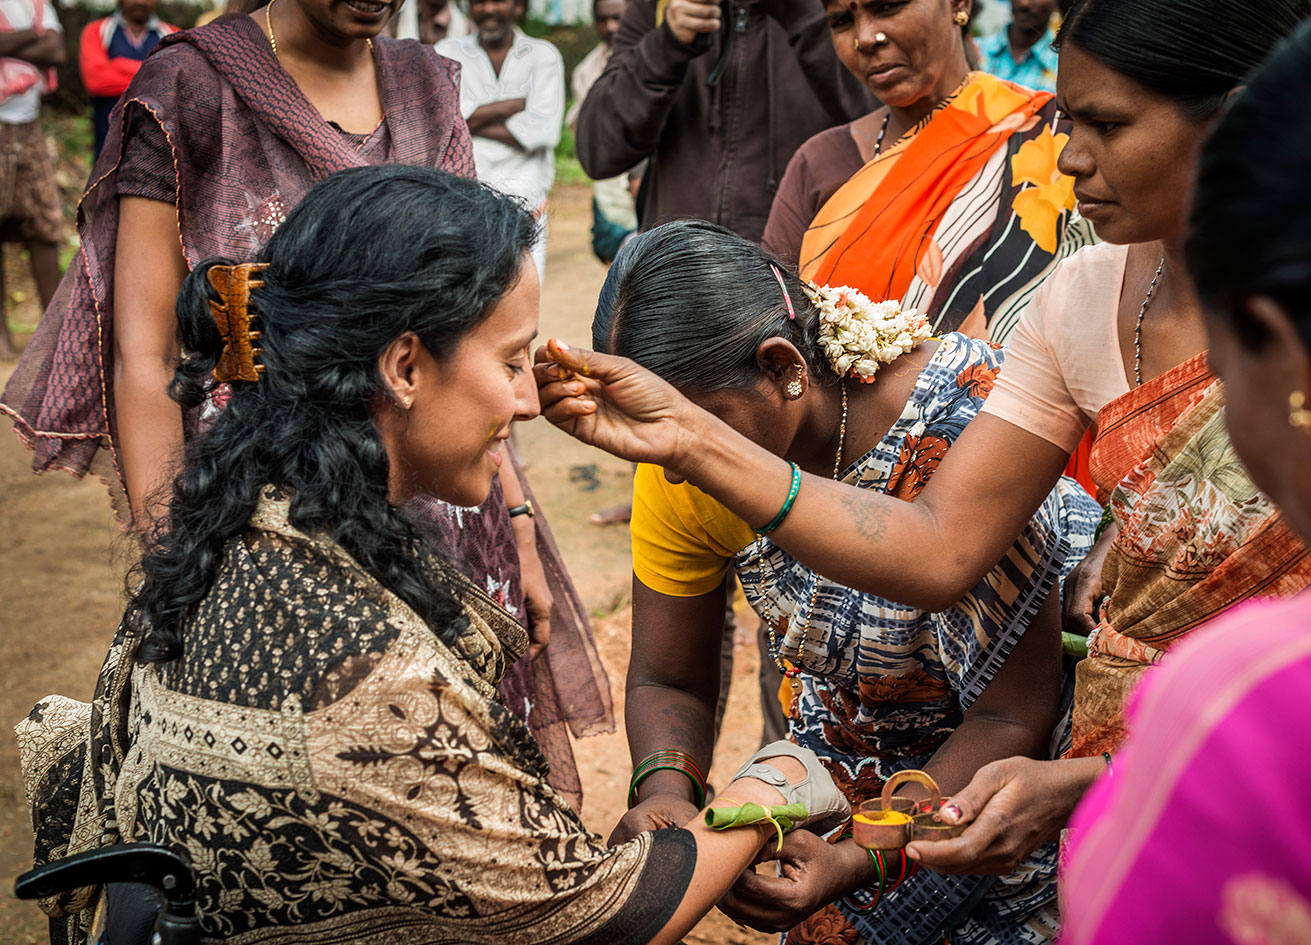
859 335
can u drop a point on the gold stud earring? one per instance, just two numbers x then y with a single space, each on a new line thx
961 18
1299 418
794 388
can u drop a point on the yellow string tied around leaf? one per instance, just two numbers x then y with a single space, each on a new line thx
783 817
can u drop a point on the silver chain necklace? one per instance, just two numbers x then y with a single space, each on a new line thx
1138 327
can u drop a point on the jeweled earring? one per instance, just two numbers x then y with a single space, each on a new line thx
1299 418
794 388
961 18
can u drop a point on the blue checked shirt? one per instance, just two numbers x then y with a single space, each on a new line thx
1037 68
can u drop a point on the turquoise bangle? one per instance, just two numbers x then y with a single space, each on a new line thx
787 505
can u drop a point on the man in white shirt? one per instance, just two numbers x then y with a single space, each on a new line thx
31 43
512 96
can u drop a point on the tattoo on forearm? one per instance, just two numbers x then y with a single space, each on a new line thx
869 519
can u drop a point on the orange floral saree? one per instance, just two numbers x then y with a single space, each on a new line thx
961 218
1196 537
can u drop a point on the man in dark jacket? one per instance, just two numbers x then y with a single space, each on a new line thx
719 97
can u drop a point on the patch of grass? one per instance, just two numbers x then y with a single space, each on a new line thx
612 604
567 168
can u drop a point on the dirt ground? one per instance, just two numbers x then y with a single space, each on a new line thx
62 560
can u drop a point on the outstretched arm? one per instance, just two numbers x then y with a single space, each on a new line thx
927 553
481 828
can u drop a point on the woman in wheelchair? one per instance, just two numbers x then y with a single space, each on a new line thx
301 697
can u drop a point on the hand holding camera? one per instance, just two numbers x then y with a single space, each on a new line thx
689 19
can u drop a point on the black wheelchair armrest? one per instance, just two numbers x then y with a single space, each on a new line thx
134 877
144 863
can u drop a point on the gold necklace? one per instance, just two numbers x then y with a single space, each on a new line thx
792 673
273 40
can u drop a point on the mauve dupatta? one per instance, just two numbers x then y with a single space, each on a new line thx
247 146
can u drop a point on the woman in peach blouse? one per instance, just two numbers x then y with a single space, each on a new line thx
1142 81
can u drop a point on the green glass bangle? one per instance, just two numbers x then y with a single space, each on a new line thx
877 857
787 505
698 789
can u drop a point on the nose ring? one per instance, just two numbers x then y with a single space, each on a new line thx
879 40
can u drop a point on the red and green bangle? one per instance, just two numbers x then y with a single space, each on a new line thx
905 870
855 906
668 759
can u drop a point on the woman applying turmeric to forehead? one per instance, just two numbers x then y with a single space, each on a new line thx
1143 80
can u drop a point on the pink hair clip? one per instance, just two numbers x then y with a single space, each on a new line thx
792 313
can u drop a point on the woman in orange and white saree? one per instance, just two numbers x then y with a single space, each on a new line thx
948 198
